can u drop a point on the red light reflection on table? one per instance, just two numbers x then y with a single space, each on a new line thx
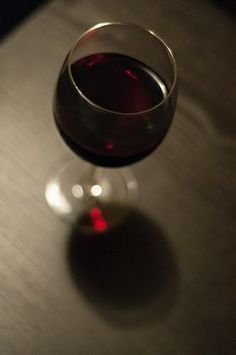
98 221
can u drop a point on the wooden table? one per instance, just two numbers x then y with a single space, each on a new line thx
162 283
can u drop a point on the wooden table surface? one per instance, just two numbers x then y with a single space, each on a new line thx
162 283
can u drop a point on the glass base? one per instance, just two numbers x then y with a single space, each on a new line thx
94 198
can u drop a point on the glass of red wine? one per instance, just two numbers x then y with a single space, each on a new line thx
113 105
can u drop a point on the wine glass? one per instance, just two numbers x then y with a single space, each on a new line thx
113 104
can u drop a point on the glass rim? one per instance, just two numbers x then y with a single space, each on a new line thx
101 108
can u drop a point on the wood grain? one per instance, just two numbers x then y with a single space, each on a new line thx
187 198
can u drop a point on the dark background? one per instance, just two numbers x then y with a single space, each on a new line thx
13 12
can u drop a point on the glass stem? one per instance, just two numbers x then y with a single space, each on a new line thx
91 185
90 176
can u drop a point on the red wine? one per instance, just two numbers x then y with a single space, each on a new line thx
105 116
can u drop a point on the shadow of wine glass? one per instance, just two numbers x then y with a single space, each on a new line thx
129 274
